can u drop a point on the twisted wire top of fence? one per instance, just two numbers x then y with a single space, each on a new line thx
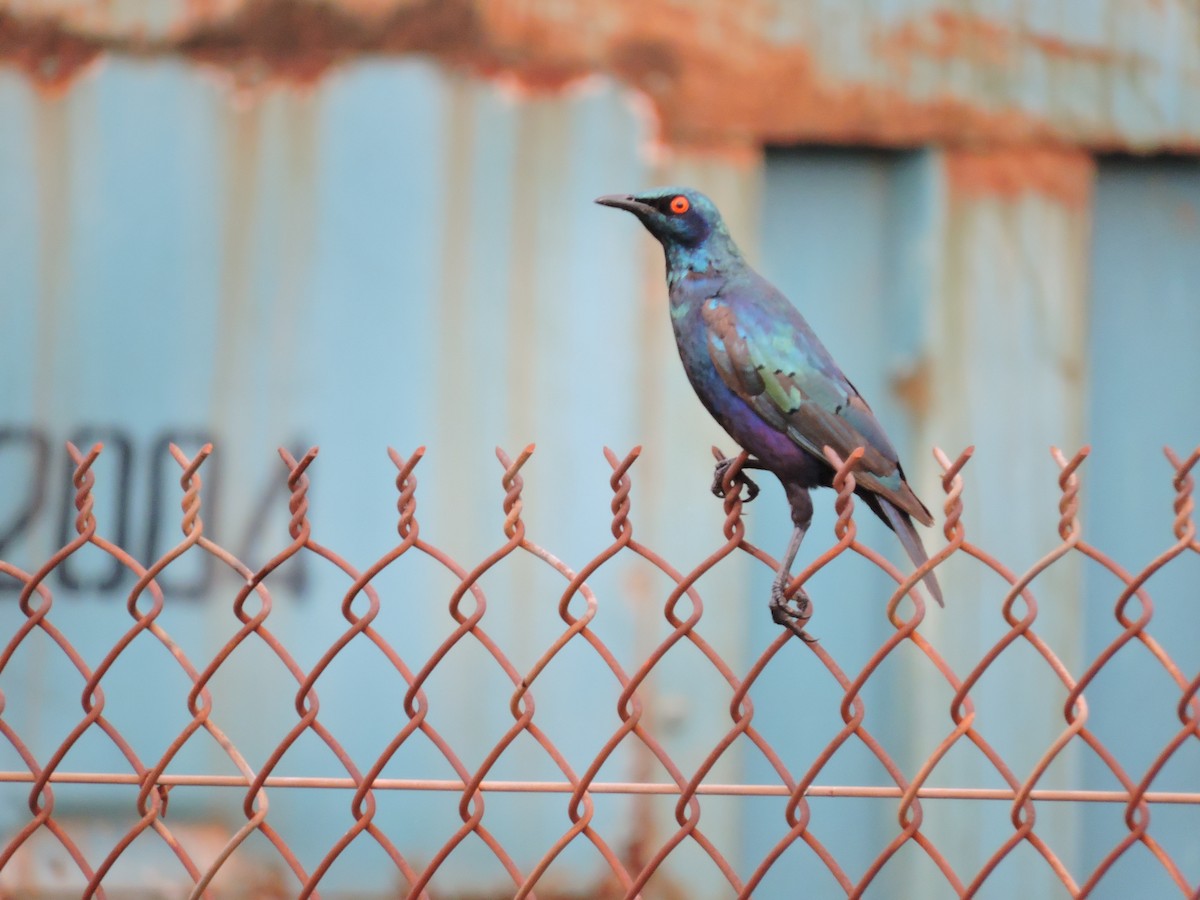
627 873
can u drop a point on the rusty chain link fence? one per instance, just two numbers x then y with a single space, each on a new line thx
137 788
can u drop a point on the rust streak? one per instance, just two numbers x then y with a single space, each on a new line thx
300 42
943 35
716 77
914 388
1063 175
49 53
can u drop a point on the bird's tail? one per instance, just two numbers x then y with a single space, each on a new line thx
903 526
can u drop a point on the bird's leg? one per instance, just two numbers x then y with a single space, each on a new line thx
722 466
782 612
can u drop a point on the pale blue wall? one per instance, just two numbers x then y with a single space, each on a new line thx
1144 360
850 238
398 257
401 256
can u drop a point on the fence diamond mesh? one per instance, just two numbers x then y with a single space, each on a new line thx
467 780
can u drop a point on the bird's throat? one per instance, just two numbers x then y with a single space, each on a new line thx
708 259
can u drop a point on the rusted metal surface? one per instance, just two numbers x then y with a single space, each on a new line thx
720 74
1010 281
423 244
1063 176
1140 791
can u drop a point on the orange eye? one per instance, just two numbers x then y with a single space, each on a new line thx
680 205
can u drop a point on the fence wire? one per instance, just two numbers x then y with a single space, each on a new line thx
628 873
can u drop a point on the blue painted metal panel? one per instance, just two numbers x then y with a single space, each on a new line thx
832 240
1145 393
398 256
402 256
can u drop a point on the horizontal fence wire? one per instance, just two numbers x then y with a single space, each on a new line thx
629 871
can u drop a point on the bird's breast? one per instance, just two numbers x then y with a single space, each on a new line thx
774 449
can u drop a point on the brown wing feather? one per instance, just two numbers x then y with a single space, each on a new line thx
780 399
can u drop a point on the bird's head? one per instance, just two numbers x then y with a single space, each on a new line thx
686 222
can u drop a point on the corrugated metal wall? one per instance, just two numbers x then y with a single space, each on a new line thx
1144 377
404 252
399 256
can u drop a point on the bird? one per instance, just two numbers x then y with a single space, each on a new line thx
767 379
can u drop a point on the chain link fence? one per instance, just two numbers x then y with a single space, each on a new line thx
632 860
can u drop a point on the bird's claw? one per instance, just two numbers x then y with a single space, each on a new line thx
718 485
792 613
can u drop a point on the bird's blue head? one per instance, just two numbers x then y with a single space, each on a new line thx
686 223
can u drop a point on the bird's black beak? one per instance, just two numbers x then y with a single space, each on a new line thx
626 202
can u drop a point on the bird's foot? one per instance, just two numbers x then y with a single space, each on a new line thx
718 485
792 613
